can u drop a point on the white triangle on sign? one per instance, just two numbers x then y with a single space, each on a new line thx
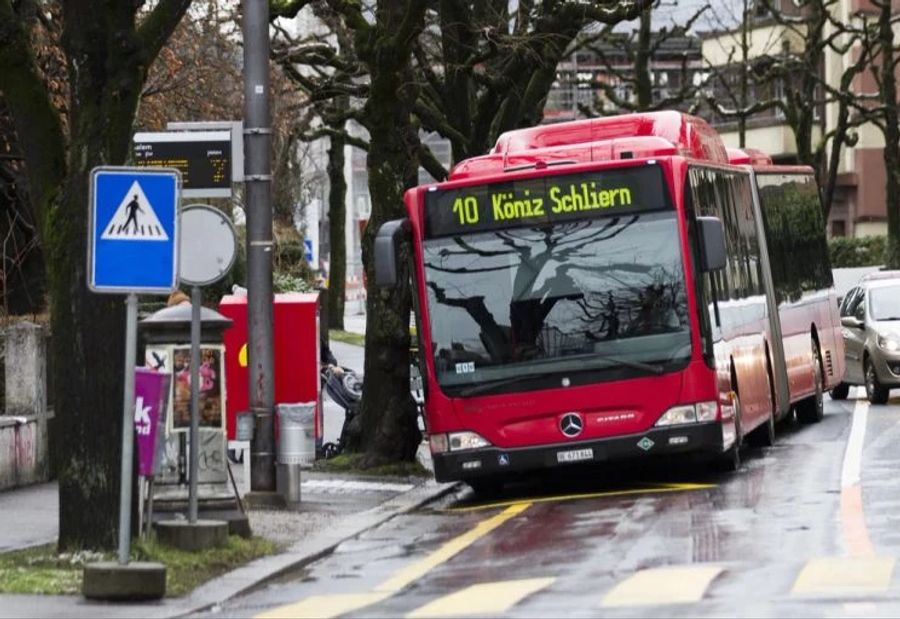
134 220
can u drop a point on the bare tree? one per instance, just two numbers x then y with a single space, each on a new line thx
485 68
107 62
881 108
787 76
635 80
322 65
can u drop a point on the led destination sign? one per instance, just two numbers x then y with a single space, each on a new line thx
539 201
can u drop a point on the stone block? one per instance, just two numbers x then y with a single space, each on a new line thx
194 536
138 580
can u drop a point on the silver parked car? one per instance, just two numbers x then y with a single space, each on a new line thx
870 321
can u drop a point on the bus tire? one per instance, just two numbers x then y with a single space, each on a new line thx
812 408
485 487
764 435
840 391
875 392
730 460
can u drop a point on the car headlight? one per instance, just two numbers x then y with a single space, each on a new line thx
888 343
456 441
689 413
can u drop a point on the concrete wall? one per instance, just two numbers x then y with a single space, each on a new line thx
24 422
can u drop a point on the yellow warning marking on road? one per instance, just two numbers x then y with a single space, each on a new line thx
449 549
335 605
676 584
843 575
587 495
324 606
489 598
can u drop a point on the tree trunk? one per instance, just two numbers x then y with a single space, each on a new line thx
891 134
337 224
89 328
389 432
643 79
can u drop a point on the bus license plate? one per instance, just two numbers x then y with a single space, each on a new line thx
575 455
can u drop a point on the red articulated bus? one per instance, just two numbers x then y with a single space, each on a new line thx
615 287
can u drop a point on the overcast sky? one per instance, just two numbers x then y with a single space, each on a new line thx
720 14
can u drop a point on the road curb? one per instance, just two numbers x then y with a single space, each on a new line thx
259 572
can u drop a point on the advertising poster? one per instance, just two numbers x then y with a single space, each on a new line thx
210 388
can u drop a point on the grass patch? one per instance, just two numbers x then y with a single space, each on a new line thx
185 570
41 570
350 463
347 337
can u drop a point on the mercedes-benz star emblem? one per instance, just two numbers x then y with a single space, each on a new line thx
571 424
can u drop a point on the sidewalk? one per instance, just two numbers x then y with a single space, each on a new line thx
334 508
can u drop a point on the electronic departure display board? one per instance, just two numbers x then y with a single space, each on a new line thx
202 157
544 200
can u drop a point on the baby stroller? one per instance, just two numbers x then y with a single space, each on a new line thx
345 390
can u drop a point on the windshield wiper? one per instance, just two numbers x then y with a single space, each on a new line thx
635 365
511 380
497 382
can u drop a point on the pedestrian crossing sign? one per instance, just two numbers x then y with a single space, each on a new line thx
132 245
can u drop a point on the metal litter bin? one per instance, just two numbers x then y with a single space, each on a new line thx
296 446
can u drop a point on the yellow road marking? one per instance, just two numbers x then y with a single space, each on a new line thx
329 606
448 550
677 584
853 523
324 606
490 598
842 575
589 495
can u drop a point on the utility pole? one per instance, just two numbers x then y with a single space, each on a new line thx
258 195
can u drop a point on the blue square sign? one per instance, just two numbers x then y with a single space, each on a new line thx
133 233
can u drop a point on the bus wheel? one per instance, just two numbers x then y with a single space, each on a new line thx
840 391
764 435
730 460
485 487
875 393
812 409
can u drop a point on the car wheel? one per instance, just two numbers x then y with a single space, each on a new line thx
812 409
875 392
840 391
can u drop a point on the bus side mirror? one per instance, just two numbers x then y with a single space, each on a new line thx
712 240
386 251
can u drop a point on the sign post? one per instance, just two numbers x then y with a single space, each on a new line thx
206 257
132 249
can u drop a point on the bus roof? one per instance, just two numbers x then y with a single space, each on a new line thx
629 136
748 156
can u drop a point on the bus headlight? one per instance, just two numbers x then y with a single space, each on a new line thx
888 343
455 441
466 440
689 413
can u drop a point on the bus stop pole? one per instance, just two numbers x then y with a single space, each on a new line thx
127 429
196 304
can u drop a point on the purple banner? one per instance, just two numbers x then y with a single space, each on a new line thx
151 399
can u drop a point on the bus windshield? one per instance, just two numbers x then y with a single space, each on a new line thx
569 302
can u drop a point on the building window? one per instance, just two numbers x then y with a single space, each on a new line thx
838 228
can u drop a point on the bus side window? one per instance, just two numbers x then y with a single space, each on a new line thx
703 285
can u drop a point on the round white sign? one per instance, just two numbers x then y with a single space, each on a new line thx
207 247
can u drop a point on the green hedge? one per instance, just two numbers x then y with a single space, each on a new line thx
862 252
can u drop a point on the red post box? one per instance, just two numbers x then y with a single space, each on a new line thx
295 335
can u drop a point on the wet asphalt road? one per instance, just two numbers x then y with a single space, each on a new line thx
805 528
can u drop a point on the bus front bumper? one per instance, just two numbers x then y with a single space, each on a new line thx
474 463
